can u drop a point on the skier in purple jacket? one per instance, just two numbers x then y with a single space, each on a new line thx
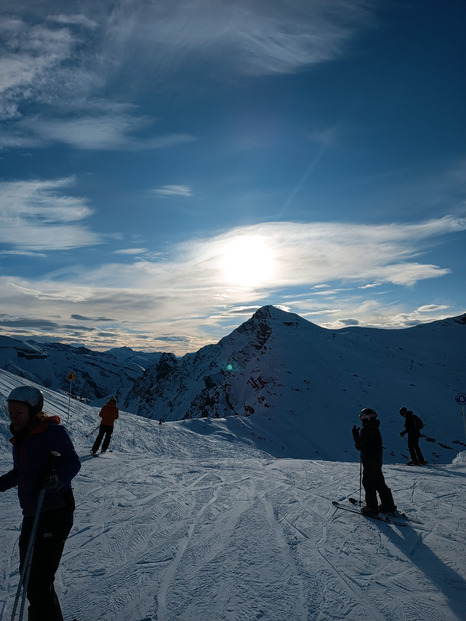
43 458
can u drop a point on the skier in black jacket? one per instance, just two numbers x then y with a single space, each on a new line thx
369 441
412 429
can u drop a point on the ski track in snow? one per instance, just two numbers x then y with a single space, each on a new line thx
184 523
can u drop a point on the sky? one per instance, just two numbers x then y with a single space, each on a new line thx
167 168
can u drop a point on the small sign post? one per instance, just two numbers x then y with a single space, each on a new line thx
71 378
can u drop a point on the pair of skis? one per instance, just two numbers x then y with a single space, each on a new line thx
397 517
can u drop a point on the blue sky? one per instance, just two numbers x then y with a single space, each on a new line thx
166 168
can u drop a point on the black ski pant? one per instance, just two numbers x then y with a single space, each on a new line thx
414 450
52 531
104 430
373 481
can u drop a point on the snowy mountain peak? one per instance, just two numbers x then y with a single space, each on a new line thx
270 319
282 376
272 315
287 377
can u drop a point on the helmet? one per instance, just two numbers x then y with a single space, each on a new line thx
367 414
30 395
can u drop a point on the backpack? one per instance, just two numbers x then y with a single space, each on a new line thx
418 422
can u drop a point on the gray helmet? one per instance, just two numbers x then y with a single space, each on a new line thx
33 397
367 414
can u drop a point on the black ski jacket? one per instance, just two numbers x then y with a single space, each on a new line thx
410 426
369 442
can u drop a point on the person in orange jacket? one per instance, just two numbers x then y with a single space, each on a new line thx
108 414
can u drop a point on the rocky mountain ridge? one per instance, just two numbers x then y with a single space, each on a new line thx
278 366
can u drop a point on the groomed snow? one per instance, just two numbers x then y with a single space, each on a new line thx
189 521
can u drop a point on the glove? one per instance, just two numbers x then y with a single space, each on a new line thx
355 432
51 482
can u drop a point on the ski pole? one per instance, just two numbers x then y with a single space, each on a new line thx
26 568
93 431
360 480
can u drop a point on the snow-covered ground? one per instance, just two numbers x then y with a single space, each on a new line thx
190 521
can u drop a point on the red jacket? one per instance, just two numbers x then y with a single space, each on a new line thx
109 413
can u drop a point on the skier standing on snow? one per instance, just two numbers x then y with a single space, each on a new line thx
108 414
413 426
369 441
35 468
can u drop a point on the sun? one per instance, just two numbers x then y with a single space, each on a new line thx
248 261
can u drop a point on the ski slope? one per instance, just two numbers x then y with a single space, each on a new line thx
190 521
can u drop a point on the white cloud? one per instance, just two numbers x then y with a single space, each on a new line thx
37 215
173 190
188 290
371 285
431 308
51 65
315 253
75 20
105 132
377 315
304 254
24 253
63 60
100 132
241 37
29 54
131 251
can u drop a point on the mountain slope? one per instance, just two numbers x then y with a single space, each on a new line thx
98 374
279 367
285 377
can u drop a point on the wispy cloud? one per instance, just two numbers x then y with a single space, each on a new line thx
131 251
173 190
56 67
74 19
170 293
96 319
377 315
40 216
240 37
65 60
317 252
29 55
101 133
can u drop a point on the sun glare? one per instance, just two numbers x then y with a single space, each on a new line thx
248 261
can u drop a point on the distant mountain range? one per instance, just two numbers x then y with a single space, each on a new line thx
98 374
278 366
